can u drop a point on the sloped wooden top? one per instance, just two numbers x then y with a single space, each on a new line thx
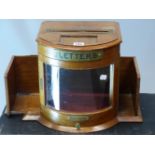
78 35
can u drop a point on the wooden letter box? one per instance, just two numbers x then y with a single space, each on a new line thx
78 82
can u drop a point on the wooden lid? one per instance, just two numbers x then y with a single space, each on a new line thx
79 35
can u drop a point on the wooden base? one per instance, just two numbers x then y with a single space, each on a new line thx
29 105
26 104
126 110
52 125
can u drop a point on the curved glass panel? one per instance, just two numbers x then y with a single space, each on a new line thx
78 90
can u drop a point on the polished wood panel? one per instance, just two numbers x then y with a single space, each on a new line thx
21 78
128 75
26 74
26 104
130 80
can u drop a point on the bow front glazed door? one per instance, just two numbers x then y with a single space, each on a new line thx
79 75
85 90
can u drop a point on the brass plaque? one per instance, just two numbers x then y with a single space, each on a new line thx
75 56
78 118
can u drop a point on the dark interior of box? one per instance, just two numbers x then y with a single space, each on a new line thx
23 89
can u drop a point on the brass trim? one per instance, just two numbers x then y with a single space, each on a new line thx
73 65
68 55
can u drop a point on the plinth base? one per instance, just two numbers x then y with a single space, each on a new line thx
29 105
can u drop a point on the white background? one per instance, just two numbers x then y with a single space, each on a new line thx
81 9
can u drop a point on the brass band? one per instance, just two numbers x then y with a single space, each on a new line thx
74 56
